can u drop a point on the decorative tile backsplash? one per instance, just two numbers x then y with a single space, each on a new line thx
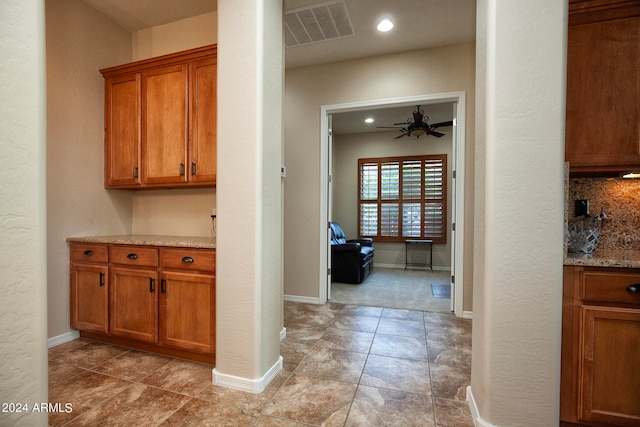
621 197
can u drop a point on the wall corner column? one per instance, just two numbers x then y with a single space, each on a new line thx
249 194
519 206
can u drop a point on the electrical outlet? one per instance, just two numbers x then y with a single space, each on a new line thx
582 208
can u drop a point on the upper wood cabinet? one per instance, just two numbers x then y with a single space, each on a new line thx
603 87
160 121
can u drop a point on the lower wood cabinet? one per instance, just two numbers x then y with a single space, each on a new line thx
600 381
134 304
197 293
89 288
152 298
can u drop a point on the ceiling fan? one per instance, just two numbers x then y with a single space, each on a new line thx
419 126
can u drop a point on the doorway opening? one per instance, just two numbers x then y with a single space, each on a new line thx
456 101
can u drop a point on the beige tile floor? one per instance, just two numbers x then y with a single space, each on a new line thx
345 365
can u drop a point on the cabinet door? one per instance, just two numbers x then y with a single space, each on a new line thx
603 87
122 132
609 380
89 297
203 104
134 304
164 125
187 311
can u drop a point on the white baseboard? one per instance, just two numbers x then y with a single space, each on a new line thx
306 300
61 339
475 414
254 386
467 315
401 267
283 333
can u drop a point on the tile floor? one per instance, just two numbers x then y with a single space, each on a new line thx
344 365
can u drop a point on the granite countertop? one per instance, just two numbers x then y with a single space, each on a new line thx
205 242
605 258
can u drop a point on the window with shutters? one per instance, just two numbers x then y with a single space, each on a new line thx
403 198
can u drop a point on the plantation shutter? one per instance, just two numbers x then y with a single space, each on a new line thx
402 198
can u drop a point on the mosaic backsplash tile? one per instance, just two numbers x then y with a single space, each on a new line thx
621 197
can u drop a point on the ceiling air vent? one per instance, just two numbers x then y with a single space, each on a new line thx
317 23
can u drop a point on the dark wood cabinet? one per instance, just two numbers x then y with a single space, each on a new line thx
160 121
600 347
603 87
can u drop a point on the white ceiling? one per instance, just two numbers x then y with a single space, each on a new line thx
419 24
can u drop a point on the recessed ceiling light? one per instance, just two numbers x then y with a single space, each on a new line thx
368 120
385 25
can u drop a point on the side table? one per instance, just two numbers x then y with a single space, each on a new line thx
408 243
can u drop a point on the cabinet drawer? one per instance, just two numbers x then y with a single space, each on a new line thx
188 259
606 286
134 255
89 252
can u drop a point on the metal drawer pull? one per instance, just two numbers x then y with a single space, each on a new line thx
187 259
634 289
151 282
88 252
132 256
101 279
163 286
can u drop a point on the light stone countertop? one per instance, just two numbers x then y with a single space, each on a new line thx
203 242
605 258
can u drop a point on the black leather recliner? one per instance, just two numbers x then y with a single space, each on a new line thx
351 260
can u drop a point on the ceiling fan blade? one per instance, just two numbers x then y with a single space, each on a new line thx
435 133
442 124
401 135
388 127
400 124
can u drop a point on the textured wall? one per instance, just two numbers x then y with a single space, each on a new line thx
23 352
249 196
520 189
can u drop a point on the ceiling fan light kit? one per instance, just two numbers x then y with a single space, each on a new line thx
419 126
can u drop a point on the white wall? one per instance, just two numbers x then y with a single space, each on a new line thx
80 41
175 36
347 149
440 70
23 330
515 373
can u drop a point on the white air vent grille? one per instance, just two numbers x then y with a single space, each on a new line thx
317 23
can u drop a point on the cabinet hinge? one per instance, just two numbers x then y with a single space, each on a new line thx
453 279
453 226
453 174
